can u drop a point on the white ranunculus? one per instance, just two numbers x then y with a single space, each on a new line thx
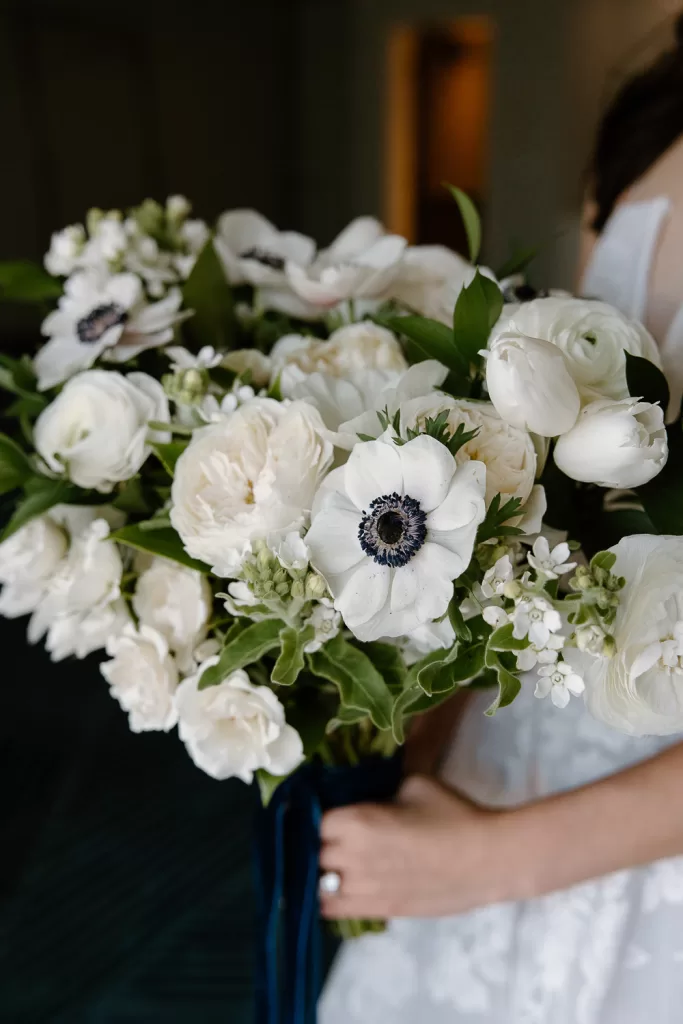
176 602
351 349
142 677
65 249
81 607
640 689
530 385
593 337
28 560
102 315
249 477
615 444
392 529
507 451
430 279
233 729
96 430
361 263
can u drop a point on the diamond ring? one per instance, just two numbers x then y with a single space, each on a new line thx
330 883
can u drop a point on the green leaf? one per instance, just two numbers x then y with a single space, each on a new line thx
290 660
502 640
267 784
517 263
208 293
429 674
476 311
168 453
43 495
24 281
164 542
389 662
360 684
497 515
131 498
646 381
250 645
470 218
432 339
460 627
508 684
15 468
603 560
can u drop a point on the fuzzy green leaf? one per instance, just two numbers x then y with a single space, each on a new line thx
460 627
290 660
603 560
502 640
163 541
508 684
389 662
360 684
250 645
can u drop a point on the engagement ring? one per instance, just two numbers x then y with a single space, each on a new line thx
330 882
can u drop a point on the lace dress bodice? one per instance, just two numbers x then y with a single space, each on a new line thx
608 951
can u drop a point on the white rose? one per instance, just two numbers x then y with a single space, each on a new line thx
430 279
530 385
28 560
392 529
615 444
176 602
640 689
96 430
233 729
249 477
143 678
355 348
507 451
593 337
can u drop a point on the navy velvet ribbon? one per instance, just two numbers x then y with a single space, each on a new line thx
290 964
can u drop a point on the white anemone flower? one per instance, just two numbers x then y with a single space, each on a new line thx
392 529
100 315
361 263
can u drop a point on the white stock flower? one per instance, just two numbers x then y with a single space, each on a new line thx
593 336
550 564
176 602
66 246
361 263
326 622
530 385
355 348
142 677
391 529
249 477
620 444
559 681
496 577
430 279
535 617
99 316
640 689
95 431
544 655
28 560
233 729
506 450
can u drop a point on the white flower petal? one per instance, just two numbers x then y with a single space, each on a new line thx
464 502
374 468
365 594
333 541
428 468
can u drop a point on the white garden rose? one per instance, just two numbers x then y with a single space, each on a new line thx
28 560
353 349
249 477
593 336
392 529
507 451
619 444
176 602
96 430
233 729
640 689
142 677
530 385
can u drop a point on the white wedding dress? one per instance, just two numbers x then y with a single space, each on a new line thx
608 951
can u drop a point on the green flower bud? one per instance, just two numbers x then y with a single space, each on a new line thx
609 646
315 586
282 589
297 589
513 590
281 576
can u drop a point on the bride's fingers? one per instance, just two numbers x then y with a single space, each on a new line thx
331 857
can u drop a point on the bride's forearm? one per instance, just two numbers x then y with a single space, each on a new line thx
625 820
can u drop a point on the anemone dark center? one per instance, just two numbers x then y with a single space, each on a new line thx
393 529
268 259
99 320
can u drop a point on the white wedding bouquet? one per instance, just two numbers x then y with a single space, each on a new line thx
299 496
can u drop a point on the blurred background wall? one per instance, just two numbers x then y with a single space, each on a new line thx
126 883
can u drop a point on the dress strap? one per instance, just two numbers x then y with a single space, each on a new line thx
619 268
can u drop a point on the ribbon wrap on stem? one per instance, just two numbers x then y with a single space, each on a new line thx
290 964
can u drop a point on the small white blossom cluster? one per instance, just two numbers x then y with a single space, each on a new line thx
291 506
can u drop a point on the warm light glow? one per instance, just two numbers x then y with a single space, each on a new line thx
401 141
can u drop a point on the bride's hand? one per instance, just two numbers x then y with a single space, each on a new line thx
430 853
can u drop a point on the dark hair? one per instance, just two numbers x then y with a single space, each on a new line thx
642 122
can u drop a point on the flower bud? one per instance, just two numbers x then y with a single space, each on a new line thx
512 590
315 586
614 444
530 385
